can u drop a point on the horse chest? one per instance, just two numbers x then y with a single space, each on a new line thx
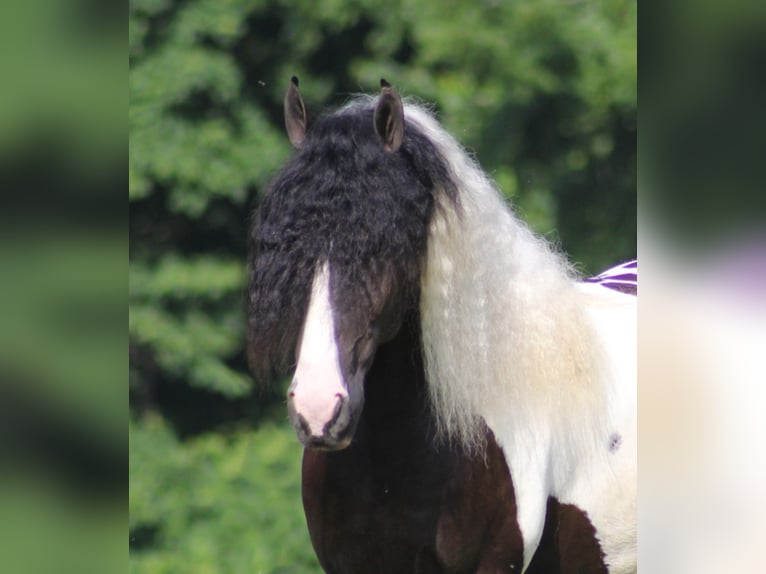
432 513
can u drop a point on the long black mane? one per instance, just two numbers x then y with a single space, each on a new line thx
341 199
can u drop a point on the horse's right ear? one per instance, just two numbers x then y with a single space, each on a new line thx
296 119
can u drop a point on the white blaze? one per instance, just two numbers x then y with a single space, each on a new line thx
318 381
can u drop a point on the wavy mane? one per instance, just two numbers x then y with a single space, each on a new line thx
504 334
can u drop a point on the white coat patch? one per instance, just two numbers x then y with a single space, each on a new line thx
318 382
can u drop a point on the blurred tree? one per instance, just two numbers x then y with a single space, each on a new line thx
543 92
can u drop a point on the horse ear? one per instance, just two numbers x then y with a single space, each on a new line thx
389 117
296 119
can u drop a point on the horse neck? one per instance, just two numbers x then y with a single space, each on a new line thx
396 395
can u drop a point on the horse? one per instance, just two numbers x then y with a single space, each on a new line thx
465 401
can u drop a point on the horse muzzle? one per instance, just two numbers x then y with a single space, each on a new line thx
321 422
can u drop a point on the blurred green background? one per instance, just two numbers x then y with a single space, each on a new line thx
543 92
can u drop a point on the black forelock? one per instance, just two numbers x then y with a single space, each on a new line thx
341 199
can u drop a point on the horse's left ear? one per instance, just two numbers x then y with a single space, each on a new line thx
389 117
296 119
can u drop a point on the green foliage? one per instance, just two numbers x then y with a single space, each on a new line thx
543 92
218 503
189 344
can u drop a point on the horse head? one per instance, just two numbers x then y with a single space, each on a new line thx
337 250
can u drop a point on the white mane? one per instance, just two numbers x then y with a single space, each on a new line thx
504 335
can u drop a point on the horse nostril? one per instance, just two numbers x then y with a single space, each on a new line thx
291 389
302 426
336 414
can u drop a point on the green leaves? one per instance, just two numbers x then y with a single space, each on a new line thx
175 278
191 132
216 503
188 343
192 347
